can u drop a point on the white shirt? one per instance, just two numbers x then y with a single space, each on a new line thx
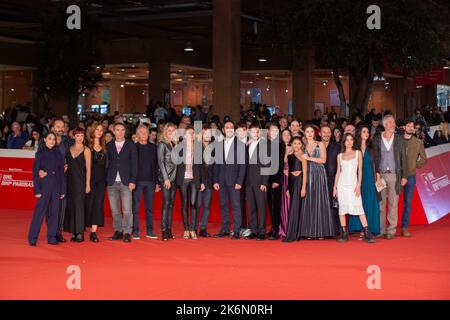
387 144
228 143
252 147
119 146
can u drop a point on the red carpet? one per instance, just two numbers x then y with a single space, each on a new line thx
416 268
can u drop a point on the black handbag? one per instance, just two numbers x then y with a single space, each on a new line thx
335 203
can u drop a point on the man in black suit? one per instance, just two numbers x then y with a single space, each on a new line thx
333 149
229 173
121 180
275 180
256 186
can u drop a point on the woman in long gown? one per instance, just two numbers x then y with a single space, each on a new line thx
95 198
78 184
316 219
347 187
297 189
370 197
286 137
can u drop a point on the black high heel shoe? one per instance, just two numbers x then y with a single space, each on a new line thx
93 237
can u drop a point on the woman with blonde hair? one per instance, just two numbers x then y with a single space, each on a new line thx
166 176
94 199
441 136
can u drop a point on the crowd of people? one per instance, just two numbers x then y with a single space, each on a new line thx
328 168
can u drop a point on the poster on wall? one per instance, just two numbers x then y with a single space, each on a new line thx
319 106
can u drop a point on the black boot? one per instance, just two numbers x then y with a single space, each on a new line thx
367 235
344 235
164 237
169 234
93 237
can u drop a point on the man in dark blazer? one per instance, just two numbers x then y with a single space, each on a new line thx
275 181
229 173
121 180
256 186
333 149
146 182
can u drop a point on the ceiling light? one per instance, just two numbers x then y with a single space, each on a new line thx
188 47
262 59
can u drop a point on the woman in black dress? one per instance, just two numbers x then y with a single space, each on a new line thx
78 184
297 188
94 200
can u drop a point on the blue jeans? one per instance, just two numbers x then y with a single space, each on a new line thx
407 200
120 197
204 201
148 189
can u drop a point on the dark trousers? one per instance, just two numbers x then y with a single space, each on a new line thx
256 201
48 205
228 194
334 211
61 215
146 188
407 201
243 209
189 196
204 201
274 201
168 196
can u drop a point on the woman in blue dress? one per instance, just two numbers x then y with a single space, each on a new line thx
369 194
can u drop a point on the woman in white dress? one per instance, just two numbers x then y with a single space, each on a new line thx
347 187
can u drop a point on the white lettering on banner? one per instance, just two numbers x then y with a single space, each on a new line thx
7 180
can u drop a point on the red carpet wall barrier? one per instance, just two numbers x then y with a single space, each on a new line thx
16 188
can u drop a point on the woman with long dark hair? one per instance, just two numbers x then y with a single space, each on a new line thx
298 171
347 187
94 200
316 219
78 185
286 138
33 143
370 196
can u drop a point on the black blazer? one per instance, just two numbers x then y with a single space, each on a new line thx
254 165
333 150
207 175
181 170
277 177
125 162
231 171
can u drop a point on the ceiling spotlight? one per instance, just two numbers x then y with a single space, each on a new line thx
122 86
287 90
418 87
188 47
248 92
122 70
447 67
262 59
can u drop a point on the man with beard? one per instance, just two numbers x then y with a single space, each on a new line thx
333 149
415 158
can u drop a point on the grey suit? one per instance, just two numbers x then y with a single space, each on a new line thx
393 180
